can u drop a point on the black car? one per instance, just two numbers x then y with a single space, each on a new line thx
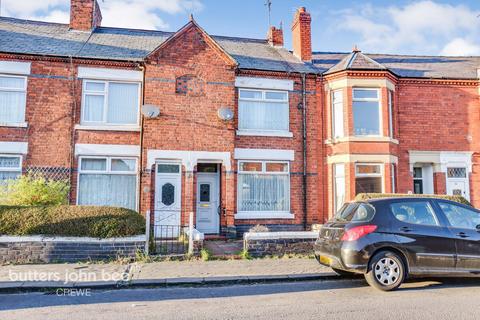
391 238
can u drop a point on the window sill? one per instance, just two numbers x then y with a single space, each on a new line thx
361 139
14 124
264 215
106 128
266 133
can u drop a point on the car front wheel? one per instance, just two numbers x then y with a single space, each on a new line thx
386 271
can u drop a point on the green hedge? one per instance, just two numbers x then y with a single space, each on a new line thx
72 221
366 196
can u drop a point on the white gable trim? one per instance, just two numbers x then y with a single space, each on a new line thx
188 158
263 83
109 74
13 147
15 67
264 154
84 149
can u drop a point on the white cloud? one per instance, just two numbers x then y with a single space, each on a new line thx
116 13
461 47
419 27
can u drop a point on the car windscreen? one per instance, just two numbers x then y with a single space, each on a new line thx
355 212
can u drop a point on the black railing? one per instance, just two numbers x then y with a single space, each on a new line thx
170 239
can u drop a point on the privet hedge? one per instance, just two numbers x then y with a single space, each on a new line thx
366 196
72 221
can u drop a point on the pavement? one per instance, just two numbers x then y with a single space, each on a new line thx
433 299
15 278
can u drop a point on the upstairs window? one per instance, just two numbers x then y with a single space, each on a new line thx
366 112
13 93
110 103
337 114
10 167
263 110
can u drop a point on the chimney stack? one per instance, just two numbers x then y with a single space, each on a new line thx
275 37
85 15
302 35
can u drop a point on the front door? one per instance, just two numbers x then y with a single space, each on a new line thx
167 200
457 183
208 203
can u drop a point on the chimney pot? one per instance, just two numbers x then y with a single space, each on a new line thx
85 15
302 34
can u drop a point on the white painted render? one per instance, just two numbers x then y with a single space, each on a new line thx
263 83
264 154
189 158
13 147
84 149
110 74
15 67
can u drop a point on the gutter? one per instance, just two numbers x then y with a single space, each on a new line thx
304 147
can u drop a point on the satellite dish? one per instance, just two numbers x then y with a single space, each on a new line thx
225 113
150 111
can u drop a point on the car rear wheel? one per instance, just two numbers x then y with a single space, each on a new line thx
386 271
343 273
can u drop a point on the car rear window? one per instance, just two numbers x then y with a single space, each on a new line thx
355 212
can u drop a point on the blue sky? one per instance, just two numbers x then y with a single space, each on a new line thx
428 27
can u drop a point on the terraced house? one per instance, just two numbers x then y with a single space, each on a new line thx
239 131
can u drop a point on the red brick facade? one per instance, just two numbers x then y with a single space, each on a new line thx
190 77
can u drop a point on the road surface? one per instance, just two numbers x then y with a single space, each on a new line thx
335 299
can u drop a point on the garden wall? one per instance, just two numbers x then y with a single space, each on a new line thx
260 244
40 249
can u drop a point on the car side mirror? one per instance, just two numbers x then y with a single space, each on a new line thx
478 227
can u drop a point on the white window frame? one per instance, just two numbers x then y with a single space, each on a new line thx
264 214
21 123
108 170
341 130
265 132
392 173
379 100
104 122
390 113
364 175
338 173
13 169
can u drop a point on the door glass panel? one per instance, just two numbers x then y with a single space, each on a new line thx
415 212
207 167
457 172
168 168
168 194
460 217
204 192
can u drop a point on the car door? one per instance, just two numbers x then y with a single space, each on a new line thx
423 235
463 222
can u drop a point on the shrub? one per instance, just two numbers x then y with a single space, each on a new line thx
366 196
205 254
73 221
259 228
34 190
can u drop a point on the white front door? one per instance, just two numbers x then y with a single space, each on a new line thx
457 182
168 189
208 218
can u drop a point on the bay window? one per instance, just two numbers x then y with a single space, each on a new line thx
110 103
368 178
108 181
10 167
13 93
263 110
263 186
337 114
366 112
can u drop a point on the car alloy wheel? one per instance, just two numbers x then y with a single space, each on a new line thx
386 271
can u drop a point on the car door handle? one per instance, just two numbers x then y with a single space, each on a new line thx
463 235
406 229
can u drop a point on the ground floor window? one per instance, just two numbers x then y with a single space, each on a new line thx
339 186
10 167
263 186
368 178
108 181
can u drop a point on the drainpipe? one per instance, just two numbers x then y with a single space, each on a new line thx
140 160
304 129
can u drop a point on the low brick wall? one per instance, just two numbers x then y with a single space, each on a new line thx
39 249
279 243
